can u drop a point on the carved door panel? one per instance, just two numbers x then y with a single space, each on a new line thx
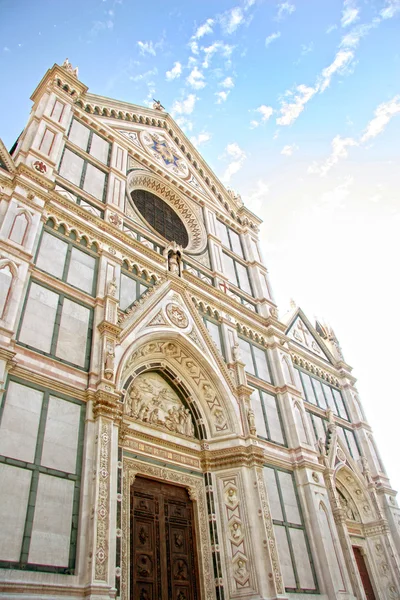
163 549
362 568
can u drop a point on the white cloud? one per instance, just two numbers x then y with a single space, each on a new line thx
339 150
342 60
265 112
232 19
202 138
146 48
196 79
331 28
233 151
285 8
391 9
222 96
350 13
228 83
184 123
144 76
288 150
291 110
383 114
204 29
352 39
307 48
6 49
257 195
194 47
274 36
218 46
184 107
174 72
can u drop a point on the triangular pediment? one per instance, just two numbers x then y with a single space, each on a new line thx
157 141
6 160
167 310
303 333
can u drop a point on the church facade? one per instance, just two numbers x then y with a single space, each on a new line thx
165 434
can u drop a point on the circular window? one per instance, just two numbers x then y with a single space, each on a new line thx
160 216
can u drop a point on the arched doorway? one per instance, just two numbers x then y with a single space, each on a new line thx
163 542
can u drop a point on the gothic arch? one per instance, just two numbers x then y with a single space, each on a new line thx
353 487
20 236
185 366
7 282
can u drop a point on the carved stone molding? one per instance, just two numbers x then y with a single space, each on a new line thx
103 501
266 515
195 487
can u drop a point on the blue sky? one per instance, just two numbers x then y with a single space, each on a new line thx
293 103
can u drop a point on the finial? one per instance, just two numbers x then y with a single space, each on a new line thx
68 67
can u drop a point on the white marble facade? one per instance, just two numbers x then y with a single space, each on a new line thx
124 352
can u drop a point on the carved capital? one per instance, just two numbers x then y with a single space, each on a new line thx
106 404
109 328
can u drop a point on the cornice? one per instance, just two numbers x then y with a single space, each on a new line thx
55 385
61 77
33 175
329 374
238 456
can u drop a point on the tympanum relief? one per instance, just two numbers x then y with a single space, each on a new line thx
152 400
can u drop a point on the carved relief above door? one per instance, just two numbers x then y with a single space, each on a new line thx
163 550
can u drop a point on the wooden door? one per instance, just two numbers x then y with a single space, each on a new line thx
362 568
163 548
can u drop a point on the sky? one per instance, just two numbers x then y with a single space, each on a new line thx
295 104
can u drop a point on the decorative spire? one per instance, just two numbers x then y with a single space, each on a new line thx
69 68
327 333
237 198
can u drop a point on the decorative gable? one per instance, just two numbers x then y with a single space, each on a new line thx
304 334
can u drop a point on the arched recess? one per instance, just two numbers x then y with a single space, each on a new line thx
8 274
354 496
211 404
287 369
20 226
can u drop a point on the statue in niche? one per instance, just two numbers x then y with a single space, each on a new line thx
366 470
173 254
151 400
236 355
174 262
112 287
109 363
236 531
251 419
241 570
